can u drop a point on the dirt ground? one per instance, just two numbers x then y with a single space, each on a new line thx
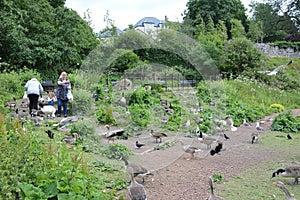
176 178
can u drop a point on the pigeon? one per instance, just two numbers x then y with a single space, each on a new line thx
139 145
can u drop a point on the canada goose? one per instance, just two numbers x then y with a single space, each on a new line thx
290 171
138 145
11 104
212 196
254 138
258 127
70 139
246 123
284 189
217 149
136 170
189 149
136 191
203 138
158 135
50 134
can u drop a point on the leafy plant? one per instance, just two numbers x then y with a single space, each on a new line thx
277 107
116 151
217 177
286 122
82 102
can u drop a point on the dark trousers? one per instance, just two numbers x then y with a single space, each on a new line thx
61 103
33 101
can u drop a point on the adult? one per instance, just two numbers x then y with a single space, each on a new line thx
34 90
63 85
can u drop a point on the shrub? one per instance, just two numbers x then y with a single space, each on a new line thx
82 102
116 151
104 115
286 122
277 107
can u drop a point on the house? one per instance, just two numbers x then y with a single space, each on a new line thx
109 33
149 24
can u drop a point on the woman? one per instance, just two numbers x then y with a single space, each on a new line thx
34 90
63 85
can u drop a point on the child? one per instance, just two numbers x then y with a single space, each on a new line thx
50 98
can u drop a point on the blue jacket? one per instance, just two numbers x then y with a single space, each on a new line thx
33 86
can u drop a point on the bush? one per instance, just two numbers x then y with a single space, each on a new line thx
286 122
140 114
82 102
277 107
116 151
104 114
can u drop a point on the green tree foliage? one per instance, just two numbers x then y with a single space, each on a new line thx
225 10
240 55
43 35
255 32
237 29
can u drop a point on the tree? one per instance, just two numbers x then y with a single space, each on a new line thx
43 35
224 10
237 29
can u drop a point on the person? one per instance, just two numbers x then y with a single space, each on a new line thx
51 98
63 85
34 89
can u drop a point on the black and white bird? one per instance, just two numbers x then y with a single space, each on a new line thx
254 138
292 171
139 145
246 123
50 134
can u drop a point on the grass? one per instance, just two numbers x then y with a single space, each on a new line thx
256 183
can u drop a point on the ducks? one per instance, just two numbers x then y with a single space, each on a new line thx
284 189
136 191
136 170
158 135
189 149
290 171
212 196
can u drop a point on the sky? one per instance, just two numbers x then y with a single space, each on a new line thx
125 12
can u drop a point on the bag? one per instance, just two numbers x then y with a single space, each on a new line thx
70 95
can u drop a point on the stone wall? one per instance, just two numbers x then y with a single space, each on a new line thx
275 51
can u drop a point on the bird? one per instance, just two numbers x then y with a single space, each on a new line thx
11 104
217 149
50 134
254 137
229 122
226 137
70 139
135 169
164 118
284 189
187 124
189 149
64 122
212 196
258 127
122 100
136 191
292 171
289 137
158 135
246 123
203 138
138 145
276 70
14 113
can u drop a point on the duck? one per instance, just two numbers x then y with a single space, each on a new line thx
258 127
136 170
189 149
212 196
254 138
284 189
70 139
136 191
246 123
139 145
292 171
11 104
158 135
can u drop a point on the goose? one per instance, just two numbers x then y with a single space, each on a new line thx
138 145
290 171
70 139
24 113
11 104
203 138
158 135
284 189
254 138
246 123
48 110
136 170
212 196
50 134
136 191
189 149
258 127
